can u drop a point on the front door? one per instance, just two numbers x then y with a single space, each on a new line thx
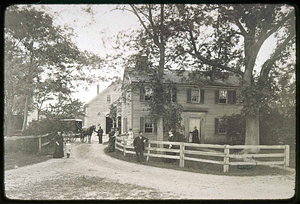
109 124
192 123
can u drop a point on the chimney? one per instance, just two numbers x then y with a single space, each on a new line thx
98 89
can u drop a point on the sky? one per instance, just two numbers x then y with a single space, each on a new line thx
97 32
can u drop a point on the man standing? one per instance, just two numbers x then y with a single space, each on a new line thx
100 134
138 144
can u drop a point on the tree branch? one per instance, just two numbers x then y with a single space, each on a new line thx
267 66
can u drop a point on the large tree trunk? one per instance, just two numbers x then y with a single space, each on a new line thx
252 129
28 91
8 123
25 114
160 125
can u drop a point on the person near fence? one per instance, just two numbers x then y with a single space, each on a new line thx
100 134
111 141
58 145
195 135
171 138
139 147
130 137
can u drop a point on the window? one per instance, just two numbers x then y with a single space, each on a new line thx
220 126
224 96
171 95
195 95
148 125
145 94
108 98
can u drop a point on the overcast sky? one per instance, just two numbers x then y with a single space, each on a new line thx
96 33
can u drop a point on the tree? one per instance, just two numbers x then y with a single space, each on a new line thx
222 49
152 46
37 50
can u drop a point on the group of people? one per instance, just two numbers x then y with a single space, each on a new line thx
137 142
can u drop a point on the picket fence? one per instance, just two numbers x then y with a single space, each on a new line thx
226 155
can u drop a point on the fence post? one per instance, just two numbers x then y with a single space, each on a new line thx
124 148
287 155
181 152
149 145
226 159
40 144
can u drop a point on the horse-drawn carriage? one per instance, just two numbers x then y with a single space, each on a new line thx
72 129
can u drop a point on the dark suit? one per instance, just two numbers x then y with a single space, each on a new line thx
100 135
139 147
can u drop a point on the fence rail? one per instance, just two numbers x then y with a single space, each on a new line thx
226 155
39 137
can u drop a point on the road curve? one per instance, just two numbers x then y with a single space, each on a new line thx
90 161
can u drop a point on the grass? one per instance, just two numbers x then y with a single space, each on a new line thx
203 168
14 159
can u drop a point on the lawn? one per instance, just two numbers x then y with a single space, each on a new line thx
204 168
16 159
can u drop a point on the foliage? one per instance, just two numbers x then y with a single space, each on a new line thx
236 127
41 61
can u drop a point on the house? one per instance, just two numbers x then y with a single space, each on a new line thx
97 110
204 104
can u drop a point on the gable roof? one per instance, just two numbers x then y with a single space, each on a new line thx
187 77
114 85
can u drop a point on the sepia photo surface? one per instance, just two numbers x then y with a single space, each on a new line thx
149 102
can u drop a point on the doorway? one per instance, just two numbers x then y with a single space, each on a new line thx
109 125
192 123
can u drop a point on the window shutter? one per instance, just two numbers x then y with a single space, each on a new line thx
234 97
189 95
202 96
217 96
142 94
126 130
230 101
124 97
155 126
216 125
174 95
142 124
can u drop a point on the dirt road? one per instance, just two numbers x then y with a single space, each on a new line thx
91 174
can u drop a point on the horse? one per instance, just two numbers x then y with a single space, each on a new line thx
88 132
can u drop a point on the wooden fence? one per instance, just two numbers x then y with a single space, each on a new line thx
43 140
226 155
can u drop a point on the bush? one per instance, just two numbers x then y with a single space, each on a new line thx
22 145
236 127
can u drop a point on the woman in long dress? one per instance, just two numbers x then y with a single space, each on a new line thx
130 137
59 148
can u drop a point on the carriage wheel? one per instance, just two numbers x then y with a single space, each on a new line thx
73 139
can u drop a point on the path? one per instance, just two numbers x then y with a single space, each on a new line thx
91 174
